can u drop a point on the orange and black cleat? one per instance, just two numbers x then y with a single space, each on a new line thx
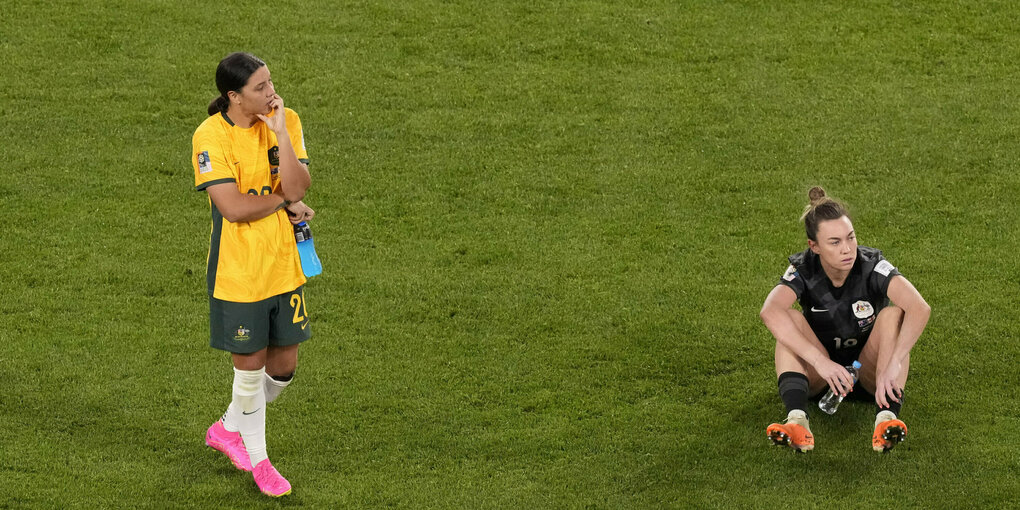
888 434
791 434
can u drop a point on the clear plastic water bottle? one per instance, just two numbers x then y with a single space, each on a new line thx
310 264
830 401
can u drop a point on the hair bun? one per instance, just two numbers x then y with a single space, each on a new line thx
816 194
822 208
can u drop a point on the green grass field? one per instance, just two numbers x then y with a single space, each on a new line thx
547 229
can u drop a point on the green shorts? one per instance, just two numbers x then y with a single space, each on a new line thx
244 328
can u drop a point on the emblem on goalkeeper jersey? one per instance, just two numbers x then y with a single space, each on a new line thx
863 309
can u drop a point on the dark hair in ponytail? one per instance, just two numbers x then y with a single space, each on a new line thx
821 208
231 75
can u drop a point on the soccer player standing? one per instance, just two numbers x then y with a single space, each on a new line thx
249 156
844 292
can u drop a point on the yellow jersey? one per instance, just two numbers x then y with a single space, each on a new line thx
248 261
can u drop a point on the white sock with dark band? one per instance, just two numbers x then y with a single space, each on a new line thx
274 385
250 401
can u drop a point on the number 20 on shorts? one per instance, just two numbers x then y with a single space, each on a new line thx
297 302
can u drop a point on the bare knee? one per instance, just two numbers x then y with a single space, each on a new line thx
281 361
252 361
890 316
887 327
787 361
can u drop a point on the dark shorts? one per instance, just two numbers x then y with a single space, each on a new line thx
846 357
244 328
858 394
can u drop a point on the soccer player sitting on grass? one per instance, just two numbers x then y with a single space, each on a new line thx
844 292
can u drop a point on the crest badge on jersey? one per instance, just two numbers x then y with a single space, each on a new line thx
204 166
791 273
274 156
863 309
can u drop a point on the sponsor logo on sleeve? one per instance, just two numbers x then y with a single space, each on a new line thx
863 309
791 273
204 166
884 268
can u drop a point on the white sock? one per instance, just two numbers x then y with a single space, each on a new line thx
797 416
230 417
250 400
273 387
884 416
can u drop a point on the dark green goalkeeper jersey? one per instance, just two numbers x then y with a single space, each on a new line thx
841 317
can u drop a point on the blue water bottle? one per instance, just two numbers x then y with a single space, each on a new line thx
310 264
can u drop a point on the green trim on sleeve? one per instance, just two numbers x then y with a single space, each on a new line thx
303 160
214 248
213 182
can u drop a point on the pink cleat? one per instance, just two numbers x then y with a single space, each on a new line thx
270 481
229 443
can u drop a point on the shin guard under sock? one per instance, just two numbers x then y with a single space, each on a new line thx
793 389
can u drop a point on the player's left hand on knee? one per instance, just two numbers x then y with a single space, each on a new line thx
887 387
